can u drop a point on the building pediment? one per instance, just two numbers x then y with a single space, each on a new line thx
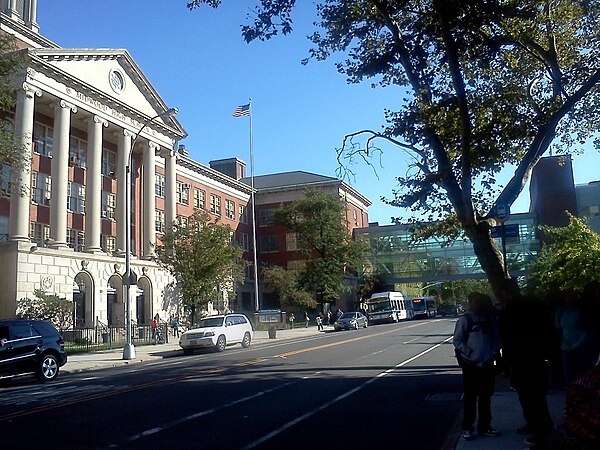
104 78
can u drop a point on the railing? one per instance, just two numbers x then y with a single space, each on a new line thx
103 337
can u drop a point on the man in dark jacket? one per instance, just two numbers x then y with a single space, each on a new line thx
524 333
477 343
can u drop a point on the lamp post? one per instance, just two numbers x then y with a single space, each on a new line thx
129 349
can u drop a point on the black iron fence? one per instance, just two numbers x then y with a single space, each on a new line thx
103 337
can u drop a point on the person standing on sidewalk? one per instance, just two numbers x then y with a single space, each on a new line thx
175 326
319 322
291 319
477 344
524 333
306 319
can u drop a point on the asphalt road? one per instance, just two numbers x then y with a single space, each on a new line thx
389 386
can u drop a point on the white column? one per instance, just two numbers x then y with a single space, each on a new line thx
33 14
13 8
122 155
170 187
93 186
20 197
60 173
148 198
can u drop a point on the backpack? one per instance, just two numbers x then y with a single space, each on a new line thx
462 362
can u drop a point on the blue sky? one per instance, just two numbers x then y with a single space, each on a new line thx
198 62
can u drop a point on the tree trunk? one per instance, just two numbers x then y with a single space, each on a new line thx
488 254
193 315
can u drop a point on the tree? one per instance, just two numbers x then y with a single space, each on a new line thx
324 241
569 260
485 84
202 258
11 63
286 284
49 307
370 282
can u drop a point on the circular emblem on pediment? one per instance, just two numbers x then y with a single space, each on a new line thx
46 282
116 80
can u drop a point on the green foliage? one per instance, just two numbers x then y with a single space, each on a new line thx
286 284
369 284
569 260
323 240
11 63
49 307
482 85
200 255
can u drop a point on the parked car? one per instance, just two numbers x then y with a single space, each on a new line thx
30 347
350 320
218 332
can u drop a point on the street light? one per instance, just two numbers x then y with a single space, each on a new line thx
129 349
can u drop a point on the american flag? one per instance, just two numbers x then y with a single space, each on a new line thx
242 110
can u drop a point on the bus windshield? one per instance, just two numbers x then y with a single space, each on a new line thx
381 305
418 304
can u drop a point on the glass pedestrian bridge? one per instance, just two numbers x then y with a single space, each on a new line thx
398 258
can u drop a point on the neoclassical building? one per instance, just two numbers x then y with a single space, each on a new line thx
80 112
62 218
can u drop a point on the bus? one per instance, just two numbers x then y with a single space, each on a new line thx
388 307
423 307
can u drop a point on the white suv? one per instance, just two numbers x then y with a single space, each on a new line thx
218 332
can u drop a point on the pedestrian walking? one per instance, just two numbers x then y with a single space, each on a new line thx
175 326
524 335
291 320
328 317
154 326
477 344
306 319
319 321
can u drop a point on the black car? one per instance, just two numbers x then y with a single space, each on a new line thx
30 347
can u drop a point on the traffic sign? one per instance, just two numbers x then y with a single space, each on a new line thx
501 212
510 231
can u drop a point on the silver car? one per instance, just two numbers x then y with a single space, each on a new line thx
218 332
351 321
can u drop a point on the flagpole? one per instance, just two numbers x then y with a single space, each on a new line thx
256 296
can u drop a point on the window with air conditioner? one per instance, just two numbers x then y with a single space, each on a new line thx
77 152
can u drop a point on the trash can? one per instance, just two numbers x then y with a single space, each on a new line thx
272 332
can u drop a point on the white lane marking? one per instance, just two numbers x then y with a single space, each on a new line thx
206 412
339 398
376 353
413 340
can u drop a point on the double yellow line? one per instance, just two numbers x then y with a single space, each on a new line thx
213 371
345 341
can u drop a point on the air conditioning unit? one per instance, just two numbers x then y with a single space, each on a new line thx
111 174
186 185
104 214
73 160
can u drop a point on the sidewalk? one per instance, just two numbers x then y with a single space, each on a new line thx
507 417
80 362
